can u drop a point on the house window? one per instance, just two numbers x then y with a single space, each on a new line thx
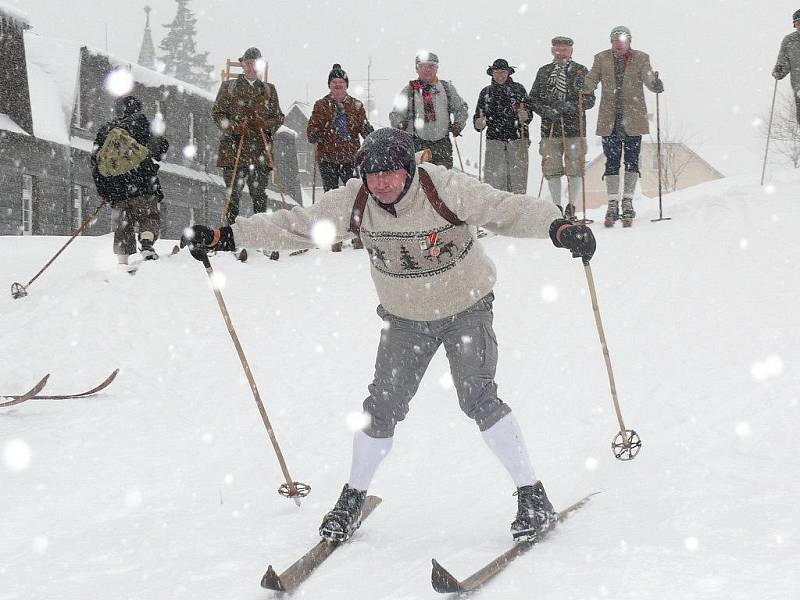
302 161
27 204
79 193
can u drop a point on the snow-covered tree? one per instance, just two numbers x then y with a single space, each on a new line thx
181 59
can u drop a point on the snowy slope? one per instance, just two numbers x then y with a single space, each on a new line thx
164 485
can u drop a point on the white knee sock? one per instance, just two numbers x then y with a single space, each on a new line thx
368 452
506 441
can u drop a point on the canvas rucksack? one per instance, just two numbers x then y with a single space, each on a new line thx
120 153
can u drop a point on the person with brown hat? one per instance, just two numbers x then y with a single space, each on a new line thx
502 110
622 118
789 60
423 108
337 123
556 98
248 113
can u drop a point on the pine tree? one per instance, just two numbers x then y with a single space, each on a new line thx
181 59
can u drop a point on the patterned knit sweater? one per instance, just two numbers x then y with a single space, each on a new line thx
423 267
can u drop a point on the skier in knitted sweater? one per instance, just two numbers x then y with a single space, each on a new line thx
418 226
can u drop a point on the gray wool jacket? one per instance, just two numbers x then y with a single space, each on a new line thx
424 268
789 60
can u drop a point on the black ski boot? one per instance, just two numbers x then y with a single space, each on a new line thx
148 252
612 213
628 214
345 517
535 513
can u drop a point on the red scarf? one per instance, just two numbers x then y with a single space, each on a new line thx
427 90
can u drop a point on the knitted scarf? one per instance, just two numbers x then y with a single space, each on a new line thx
557 82
427 90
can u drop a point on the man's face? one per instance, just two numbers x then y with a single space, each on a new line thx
797 25
338 89
500 76
250 69
427 71
387 186
561 53
621 44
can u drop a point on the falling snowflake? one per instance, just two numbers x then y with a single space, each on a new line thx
358 421
119 82
323 233
767 368
17 455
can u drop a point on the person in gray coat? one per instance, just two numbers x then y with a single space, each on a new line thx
789 60
423 109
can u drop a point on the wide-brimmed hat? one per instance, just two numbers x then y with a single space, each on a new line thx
501 64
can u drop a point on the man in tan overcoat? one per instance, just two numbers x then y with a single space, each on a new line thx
248 113
622 118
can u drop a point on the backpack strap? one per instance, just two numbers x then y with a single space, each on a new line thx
430 192
358 210
433 197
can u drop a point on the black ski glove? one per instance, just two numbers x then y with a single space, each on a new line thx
200 239
578 239
658 86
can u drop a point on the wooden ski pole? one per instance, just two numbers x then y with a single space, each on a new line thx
455 141
278 183
20 291
225 217
541 181
769 131
290 489
480 154
626 444
523 154
582 134
661 216
314 178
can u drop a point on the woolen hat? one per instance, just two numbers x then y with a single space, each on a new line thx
337 72
426 57
253 53
501 64
796 16
562 40
619 31
386 149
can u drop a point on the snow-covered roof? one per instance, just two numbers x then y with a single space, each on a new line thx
8 124
731 160
303 107
53 70
14 13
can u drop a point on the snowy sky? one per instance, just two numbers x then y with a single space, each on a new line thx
715 56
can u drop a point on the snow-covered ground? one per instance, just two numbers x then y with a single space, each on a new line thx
164 486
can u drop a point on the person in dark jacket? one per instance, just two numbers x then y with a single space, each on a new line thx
502 110
337 124
555 97
135 195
